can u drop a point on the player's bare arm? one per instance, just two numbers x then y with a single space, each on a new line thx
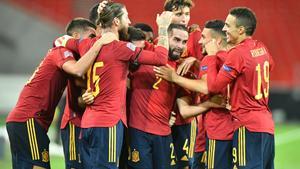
80 67
168 73
163 21
187 110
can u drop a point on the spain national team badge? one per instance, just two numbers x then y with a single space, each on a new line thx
45 156
135 156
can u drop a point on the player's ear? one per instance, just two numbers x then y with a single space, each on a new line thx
241 30
76 35
219 41
116 21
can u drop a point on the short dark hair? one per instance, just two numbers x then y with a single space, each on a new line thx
171 5
176 26
216 26
110 11
244 17
144 27
135 34
78 24
93 14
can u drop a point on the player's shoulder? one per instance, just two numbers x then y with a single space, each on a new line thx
60 52
125 45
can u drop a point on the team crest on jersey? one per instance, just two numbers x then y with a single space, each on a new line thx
131 46
203 68
45 156
135 156
67 54
227 68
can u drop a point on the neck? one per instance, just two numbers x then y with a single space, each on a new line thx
112 29
241 38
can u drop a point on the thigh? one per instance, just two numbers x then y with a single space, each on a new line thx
140 150
71 146
163 152
34 147
199 160
219 154
102 146
249 149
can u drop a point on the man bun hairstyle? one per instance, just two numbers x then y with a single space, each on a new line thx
110 11
93 14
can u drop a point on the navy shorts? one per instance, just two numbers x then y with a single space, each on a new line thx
71 145
101 146
219 154
253 150
148 151
199 160
184 137
29 144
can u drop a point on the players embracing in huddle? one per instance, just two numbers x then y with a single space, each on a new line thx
215 82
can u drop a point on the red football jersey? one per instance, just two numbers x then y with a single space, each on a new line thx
195 99
200 138
73 112
194 49
218 123
248 65
44 89
152 101
107 79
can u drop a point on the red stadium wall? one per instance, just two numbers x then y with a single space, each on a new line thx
278 24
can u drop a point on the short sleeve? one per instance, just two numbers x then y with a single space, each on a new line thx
62 56
85 45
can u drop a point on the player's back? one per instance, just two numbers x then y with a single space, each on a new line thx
107 81
253 81
250 91
43 90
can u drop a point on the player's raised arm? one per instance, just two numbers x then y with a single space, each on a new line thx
80 67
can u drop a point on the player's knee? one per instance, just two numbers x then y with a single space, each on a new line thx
38 167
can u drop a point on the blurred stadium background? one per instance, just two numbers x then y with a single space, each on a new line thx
28 28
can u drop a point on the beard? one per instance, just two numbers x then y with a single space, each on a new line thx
174 54
123 34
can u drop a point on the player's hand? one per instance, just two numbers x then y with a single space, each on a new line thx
185 66
166 72
164 19
101 6
61 41
211 47
106 38
172 119
88 97
216 101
